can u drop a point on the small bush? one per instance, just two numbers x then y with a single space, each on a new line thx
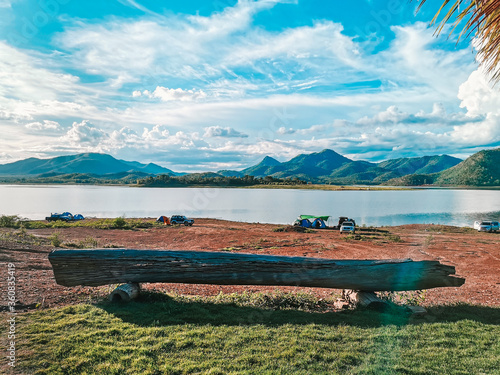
412 297
355 237
393 238
21 237
291 228
119 222
89 242
12 221
55 240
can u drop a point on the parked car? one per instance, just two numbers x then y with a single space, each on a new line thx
65 216
483 226
179 219
342 219
347 227
495 226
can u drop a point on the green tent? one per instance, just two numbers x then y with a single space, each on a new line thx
324 218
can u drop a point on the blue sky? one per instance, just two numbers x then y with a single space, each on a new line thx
209 85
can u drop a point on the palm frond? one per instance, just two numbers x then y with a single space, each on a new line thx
482 22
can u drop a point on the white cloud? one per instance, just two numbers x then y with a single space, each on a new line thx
134 4
6 158
477 95
437 117
230 20
480 99
14 116
219 131
177 46
261 148
391 115
339 93
484 133
310 44
165 94
6 3
282 130
314 129
123 137
32 88
156 133
415 58
159 137
24 77
46 125
84 134
199 47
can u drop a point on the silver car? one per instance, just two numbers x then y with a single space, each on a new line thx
347 227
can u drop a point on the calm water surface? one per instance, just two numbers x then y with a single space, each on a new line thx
439 206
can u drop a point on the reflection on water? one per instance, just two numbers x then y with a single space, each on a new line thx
438 206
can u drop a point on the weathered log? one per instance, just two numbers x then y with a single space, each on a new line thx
111 266
125 292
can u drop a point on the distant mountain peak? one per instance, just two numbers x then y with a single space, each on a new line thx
329 159
269 162
327 151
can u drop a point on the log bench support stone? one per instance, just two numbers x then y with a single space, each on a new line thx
369 300
364 299
125 292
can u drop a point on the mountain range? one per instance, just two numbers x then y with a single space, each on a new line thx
479 169
88 163
327 166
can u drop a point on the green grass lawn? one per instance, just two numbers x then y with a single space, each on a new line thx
261 334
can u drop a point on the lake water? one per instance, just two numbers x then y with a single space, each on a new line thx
378 208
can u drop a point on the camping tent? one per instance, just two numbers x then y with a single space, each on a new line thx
318 223
311 221
163 219
303 223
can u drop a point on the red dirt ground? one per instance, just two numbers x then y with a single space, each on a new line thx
476 256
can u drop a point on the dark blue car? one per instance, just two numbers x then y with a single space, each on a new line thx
65 216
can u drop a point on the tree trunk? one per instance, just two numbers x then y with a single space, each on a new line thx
112 266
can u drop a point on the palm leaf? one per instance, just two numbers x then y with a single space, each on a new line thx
482 22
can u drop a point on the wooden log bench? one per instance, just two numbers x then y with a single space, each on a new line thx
112 266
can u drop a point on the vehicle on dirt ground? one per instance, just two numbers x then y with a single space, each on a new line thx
483 226
343 219
495 226
180 219
65 216
347 227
